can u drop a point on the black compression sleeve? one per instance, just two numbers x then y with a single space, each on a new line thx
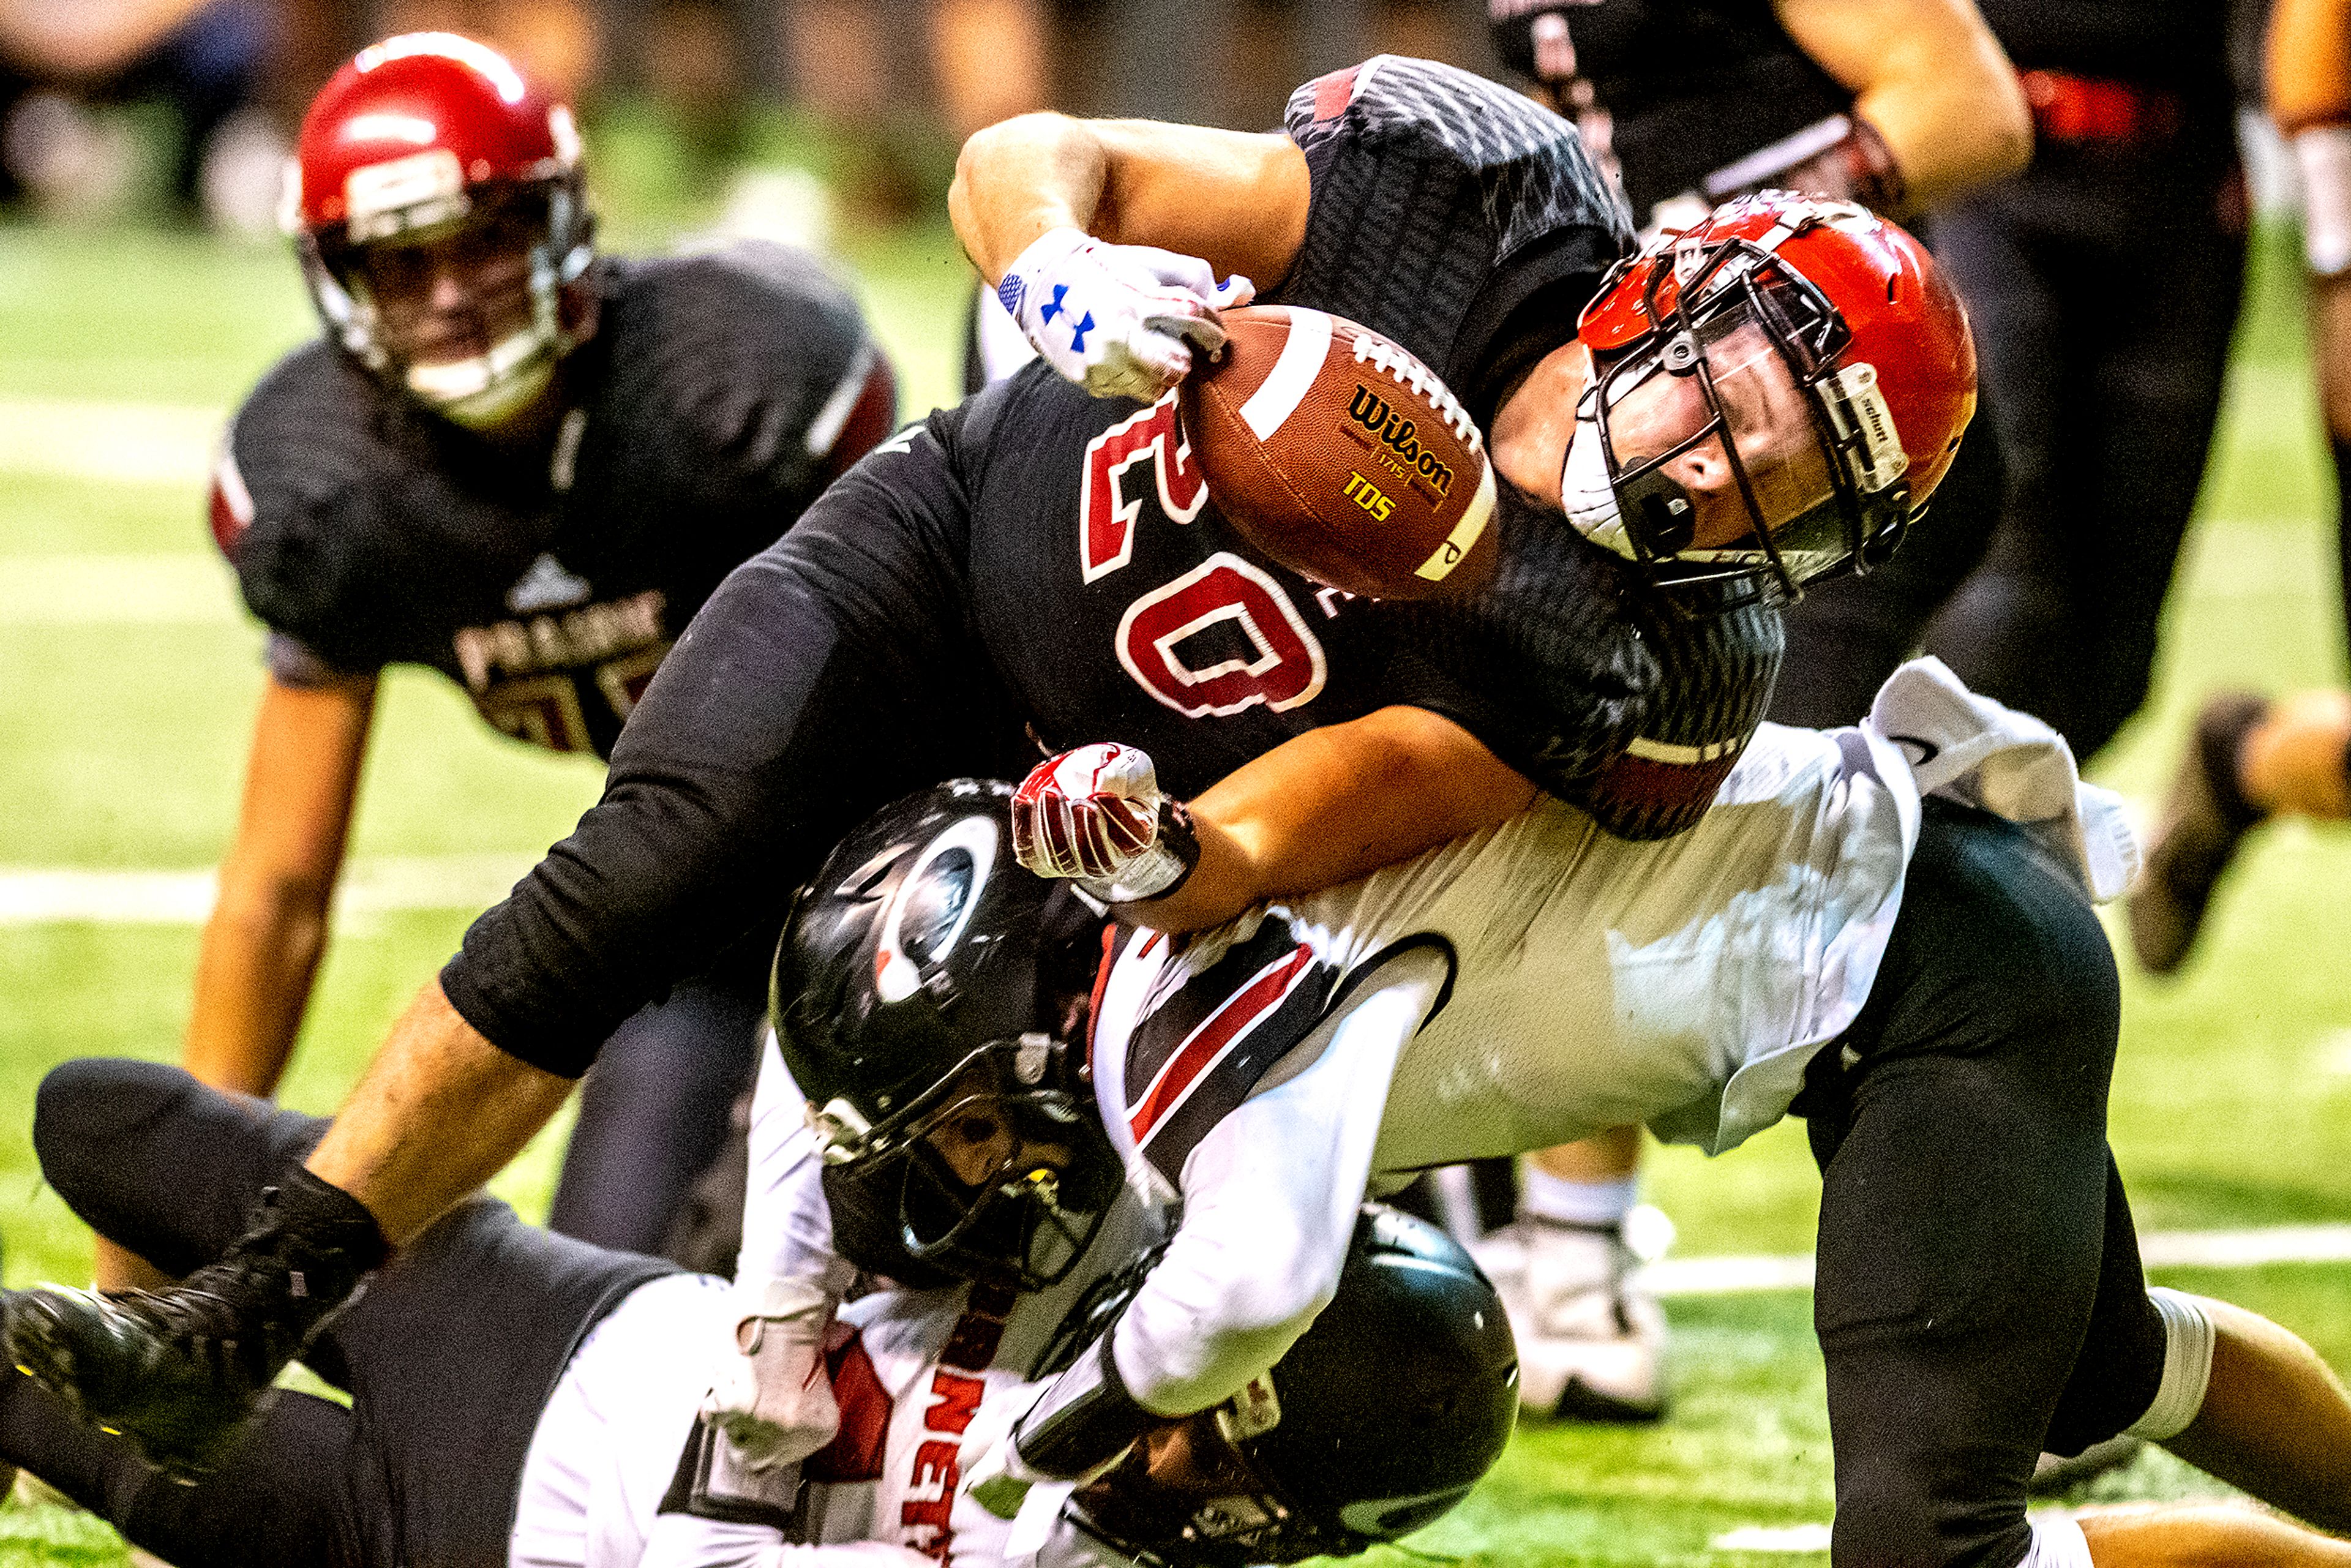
828 675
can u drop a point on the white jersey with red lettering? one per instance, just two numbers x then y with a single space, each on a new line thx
911 1371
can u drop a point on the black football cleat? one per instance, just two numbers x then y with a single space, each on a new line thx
179 1370
2204 820
174 1370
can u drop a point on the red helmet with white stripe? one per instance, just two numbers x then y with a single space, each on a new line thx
437 202
1774 392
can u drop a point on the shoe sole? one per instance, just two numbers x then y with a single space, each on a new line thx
34 1349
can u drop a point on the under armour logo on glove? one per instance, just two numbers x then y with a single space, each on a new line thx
1096 814
1121 320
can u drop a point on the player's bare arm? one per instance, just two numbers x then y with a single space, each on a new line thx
1933 81
1236 200
435 1071
261 948
1334 804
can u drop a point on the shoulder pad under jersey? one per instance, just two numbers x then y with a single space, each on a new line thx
306 475
1536 170
749 366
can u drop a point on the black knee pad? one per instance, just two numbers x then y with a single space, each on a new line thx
84 1110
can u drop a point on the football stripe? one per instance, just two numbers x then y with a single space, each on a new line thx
1456 547
1302 353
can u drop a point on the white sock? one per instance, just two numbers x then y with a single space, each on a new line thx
2057 1542
2187 1365
1543 1195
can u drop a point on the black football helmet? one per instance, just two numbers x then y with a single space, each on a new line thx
1377 1421
929 996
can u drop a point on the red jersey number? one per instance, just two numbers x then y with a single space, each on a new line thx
1284 669
1113 498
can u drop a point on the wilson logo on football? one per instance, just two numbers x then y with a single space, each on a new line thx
1395 431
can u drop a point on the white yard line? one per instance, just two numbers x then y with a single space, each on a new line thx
375 885
117 443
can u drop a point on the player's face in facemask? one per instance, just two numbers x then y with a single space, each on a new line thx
1656 427
1768 423
455 296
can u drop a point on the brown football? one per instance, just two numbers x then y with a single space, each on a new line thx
1342 457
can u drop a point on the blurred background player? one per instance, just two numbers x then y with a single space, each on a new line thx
2251 758
524 467
2103 283
1688 103
207 60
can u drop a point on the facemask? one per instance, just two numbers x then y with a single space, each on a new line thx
865 1203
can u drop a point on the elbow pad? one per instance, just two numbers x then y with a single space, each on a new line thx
1084 1421
1843 157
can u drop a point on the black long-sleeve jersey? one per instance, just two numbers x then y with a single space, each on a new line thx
1039 560
719 395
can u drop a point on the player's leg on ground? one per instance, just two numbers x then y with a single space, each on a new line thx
1960 1129
2248 759
164 1167
653 1110
283 1499
451 1356
1590 1340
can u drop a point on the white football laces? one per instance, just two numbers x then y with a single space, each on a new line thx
1392 361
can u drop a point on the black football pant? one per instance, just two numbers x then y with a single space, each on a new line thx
449 1355
2103 285
654 1110
1980 1296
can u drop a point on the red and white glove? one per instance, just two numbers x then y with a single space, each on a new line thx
1121 320
1096 814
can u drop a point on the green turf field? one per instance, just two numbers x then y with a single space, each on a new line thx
130 676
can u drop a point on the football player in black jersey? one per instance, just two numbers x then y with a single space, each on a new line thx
524 467
1687 103
998 568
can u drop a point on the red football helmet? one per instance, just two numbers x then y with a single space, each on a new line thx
437 203
1774 392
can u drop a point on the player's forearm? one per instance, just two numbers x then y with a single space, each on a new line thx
1952 131
1930 79
1334 804
439 1112
1020 179
254 970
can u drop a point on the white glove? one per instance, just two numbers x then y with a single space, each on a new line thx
1088 812
1121 320
770 1396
